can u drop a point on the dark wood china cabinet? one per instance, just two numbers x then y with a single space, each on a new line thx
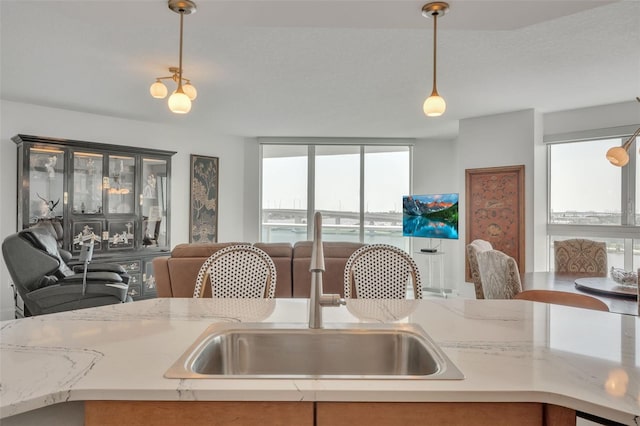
117 195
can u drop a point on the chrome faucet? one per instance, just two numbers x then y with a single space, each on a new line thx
317 299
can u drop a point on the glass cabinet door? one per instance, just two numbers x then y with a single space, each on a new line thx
153 202
87 183
46 183
122 175
118 196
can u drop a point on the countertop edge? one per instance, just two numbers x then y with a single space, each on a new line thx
322 396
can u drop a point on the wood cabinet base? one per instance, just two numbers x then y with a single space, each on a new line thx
194 413
443 413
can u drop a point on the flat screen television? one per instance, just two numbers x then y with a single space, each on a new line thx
430 216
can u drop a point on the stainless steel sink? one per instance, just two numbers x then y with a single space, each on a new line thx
397 351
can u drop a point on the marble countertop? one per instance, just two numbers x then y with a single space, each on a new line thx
508 350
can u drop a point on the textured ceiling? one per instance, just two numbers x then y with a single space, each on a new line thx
321 68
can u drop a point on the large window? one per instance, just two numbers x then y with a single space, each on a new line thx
386 180
357 188
590 198
337 191
284 193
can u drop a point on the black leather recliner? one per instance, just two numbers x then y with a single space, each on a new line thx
47 284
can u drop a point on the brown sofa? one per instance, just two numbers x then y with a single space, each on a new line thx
176 275
336 255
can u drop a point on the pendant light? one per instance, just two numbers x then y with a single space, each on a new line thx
619 155
180 99
435 105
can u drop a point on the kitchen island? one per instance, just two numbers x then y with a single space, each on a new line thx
64 366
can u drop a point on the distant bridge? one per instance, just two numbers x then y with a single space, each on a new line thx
300 216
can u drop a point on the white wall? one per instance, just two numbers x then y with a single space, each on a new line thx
41 121
597 117
433 174
493 141
540 200
251 217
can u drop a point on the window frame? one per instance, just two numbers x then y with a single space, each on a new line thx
628 230
311 144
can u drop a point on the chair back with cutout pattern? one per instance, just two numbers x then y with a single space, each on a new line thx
237 271
380 271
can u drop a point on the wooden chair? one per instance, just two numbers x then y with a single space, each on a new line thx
380 271
563 298
238 271
580 256
499 274
473 248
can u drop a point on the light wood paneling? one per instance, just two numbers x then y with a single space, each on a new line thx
429 414
554 415
195 413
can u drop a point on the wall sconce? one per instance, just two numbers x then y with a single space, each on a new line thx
180 100
619 155
435 105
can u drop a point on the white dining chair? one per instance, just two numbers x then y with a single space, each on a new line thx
473 248
499 274
380 271
237 271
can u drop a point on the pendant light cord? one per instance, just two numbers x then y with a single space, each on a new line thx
629 141
179 89
435 35
627 144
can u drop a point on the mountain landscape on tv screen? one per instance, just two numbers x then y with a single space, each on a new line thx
430 216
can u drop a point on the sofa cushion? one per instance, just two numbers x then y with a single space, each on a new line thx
199 250
336 254
281 254
176 275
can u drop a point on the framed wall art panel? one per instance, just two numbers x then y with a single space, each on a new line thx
495 210
203 210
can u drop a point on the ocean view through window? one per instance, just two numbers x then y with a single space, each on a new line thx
357 188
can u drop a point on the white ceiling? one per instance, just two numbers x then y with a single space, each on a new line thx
341 68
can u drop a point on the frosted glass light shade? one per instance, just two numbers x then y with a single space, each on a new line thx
158 90
618 156
179 103
434 106
190 91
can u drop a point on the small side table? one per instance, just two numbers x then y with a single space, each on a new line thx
432 260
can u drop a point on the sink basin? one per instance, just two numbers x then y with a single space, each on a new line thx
271 351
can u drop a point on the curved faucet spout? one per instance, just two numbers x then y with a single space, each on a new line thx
316 298
317 252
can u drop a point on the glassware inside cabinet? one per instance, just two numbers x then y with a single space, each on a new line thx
121 184
46 180
153 202
87 183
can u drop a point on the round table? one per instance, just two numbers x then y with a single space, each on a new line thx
606 285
